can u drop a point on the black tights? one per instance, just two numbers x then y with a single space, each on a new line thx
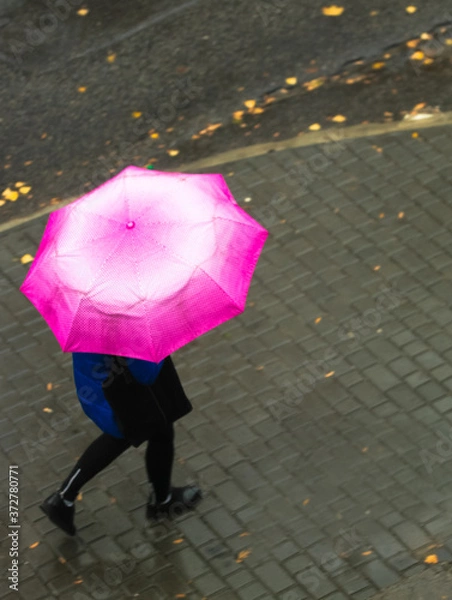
106 448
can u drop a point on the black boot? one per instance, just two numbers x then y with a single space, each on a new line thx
182 500
60 514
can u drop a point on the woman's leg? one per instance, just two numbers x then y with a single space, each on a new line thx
96 457
159 462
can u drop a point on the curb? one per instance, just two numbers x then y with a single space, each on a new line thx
310 139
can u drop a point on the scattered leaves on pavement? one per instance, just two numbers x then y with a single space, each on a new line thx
333 10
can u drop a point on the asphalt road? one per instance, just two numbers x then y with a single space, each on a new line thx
71 116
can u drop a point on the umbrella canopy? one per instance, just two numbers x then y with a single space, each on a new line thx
144 264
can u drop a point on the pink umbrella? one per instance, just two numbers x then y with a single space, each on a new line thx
144 264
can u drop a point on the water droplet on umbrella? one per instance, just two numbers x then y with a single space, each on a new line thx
130 225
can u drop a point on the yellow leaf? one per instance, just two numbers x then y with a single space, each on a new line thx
34 545
315 127
178 541
314 83
411 9
377 268
242 554
111 58
378 65
10 194
173 152
365 449
333 10
237 115
306 502
381 215
291 81
26 258
25 189
415 134
44 135
80 496
330 374
431 559
244 534
257 111
78 581
418 55
374 13
82 12
47 410
449 42
2 202
339 119
19 184
136 115
401 215
155 136
62 560
82 89
426 36
420 106
250 104
367 553
428 61
413 43
318 320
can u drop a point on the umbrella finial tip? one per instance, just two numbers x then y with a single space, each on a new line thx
149 166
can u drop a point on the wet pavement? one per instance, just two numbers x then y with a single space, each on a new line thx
322 424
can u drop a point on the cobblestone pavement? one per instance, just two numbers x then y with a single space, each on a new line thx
322 429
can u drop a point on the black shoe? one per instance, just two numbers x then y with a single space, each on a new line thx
60 514
182 500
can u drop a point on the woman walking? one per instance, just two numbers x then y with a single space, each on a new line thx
126 420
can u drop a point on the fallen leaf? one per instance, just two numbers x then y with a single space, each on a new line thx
428 61
80 495
291 81
377 149
47 410
378 65
377 268
318 320
431 559
314 83
244 534
374 13
82 89
411 9
19 184
173 152
82 12
237 115
34 545
248 199
401 215
2 202
136 114
178 541
210 129
417 55
380 330
367 553
415 134
333 10
43 136
26 258
155 136
330 374
315 127
339 119
250 104
306 502
25 189
257 111
449 42
10 194
242 555
111 58
365 449
62 560
381 215
260 368
413 43
78 581
27 163
426 36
